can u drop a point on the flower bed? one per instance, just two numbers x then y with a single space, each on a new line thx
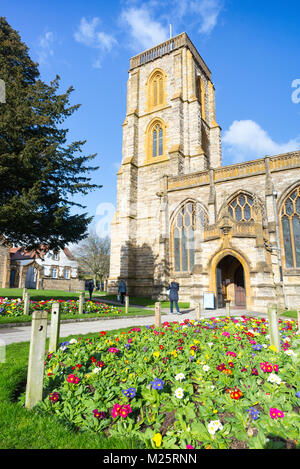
15 307
213 383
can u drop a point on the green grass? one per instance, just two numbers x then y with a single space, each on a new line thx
24 429
147 302
38 295
290 314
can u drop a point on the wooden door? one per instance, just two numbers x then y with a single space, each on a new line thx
240 291
220 303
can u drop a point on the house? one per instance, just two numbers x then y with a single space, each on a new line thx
44 270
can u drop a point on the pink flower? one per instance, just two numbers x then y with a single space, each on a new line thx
231 353
275 413
189 447
73 379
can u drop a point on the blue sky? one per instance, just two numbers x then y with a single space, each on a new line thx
252 49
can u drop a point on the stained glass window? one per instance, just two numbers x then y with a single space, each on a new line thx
241 208
290 224
183 229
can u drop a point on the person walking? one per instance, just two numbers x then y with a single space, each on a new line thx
91 288
173 295
122 291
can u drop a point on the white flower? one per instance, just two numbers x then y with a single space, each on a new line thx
274 378
214 426
211 428
179 377
73 341
217 424
179 393
290 353
210 344
205 367
212 387
264 345
96 370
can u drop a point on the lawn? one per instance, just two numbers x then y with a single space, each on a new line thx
23 429
147 302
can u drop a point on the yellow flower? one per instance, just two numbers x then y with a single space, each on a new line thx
192 352
215 411
157 439
156 354
196 341
273 348
207 357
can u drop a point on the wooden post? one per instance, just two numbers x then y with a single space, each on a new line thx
55 325
299 320
227 303
126 304
26 303
197 311
81 302
35 374
24 293
157 315
273 326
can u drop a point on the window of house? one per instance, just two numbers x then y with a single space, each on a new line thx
290 227
55 256
54 272
67 274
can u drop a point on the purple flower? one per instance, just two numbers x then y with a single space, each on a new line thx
297 394
131 392
157 383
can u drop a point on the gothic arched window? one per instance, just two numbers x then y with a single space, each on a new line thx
290 225
183 237
155 141
241 208
156 90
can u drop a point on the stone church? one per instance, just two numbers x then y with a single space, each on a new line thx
231 231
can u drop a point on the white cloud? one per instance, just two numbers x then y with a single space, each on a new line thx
45 47
88 35
146 32
209 11
245 140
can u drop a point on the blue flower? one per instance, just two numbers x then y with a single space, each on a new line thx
254 414
157 383
131 392
257 347
297 394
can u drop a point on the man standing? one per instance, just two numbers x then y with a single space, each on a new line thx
173 295
91 288
122 291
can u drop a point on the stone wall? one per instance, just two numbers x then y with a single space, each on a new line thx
71 285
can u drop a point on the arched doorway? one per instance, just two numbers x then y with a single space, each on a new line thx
230 279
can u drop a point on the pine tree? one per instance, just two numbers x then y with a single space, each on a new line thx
39 171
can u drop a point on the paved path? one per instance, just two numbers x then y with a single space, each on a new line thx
9 335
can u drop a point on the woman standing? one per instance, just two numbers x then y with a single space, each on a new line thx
173 295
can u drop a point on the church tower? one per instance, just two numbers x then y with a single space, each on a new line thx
170 129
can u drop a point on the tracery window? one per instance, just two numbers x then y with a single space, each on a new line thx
157 141
241 208
183 237
290 225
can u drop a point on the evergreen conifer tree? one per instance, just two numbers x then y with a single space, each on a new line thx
39 171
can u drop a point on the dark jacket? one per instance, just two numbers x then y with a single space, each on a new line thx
91 286
122 287
173 294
